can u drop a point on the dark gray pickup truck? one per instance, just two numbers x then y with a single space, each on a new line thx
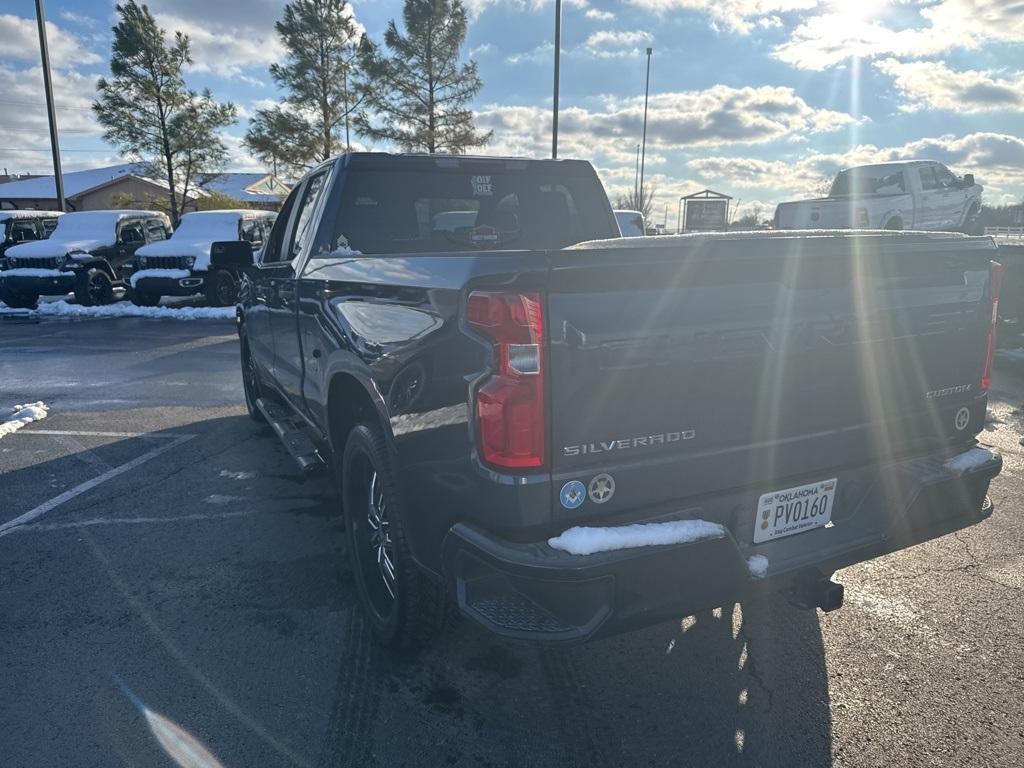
569 439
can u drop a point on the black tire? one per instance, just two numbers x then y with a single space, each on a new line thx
251 385
94 288
407 612
221 289
18 300
972 222
141 299
894 225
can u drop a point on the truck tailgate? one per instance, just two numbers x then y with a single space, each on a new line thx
688 365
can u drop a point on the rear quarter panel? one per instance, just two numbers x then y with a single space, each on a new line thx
393 324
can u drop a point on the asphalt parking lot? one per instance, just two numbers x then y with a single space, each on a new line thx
178 588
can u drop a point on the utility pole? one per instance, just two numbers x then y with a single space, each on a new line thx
643 152
58 177
558 51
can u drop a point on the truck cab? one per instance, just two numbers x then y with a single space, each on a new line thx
85 254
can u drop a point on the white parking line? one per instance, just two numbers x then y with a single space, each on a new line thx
87 433
88 485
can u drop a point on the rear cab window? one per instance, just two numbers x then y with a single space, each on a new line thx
467 209
155 230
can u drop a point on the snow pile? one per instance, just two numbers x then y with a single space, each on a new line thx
969 460
758 566
1011 354
174 274
32 272
125 309
587 541
22 415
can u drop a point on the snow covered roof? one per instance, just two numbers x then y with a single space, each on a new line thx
257 187
5 215
75 182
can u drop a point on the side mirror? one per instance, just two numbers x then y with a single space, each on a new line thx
232 254
968 179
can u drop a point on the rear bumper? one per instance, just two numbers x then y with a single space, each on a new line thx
532 591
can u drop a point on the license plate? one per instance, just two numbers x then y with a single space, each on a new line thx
794 510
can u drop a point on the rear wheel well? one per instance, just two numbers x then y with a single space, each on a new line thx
894 224
348 404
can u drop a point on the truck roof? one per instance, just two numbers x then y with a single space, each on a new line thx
419 160
23 214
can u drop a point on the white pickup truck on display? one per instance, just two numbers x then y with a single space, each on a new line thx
910 195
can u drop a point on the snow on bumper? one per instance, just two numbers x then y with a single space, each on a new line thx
30 272
169 274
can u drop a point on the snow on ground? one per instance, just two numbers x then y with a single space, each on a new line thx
174 274
22 415
1011 354
124 309
758 566
971 459
587 541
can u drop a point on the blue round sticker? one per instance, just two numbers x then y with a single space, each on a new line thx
573 494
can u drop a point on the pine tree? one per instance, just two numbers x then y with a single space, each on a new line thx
318 78
417 96
147 111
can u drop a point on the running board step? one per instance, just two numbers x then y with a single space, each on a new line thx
296 442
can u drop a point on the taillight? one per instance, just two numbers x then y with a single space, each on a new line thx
995 283
510 404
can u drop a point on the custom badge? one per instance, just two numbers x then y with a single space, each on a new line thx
572 494
601 489
962 419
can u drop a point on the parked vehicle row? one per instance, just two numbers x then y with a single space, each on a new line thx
920 195
92 253
569 439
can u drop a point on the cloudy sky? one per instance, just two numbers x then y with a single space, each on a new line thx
760 99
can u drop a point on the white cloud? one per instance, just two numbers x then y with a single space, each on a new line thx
859 29
738 15
714 117
19 41
615 43
226 51
595 14
933 85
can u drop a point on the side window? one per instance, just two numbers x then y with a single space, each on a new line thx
23 230
250 231
48 226
928 180
945 177
155 230
304 215
131 233
273 250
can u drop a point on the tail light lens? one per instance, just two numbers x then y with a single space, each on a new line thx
510 404
995 284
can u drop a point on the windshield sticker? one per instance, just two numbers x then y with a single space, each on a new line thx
482 186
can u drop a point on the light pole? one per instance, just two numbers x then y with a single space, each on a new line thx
643 151
558 51
58 177
636 174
